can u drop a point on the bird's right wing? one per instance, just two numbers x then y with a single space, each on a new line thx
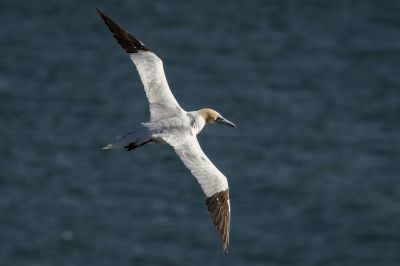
151 71
213 183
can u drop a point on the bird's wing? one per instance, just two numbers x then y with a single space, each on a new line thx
213 183
150 67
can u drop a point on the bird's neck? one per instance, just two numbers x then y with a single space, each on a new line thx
197 121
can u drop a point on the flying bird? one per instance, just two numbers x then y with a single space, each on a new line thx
172 125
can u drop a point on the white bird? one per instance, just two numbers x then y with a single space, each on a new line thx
170 124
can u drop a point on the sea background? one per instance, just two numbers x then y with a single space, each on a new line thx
313 167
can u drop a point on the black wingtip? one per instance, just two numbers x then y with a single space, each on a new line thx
101 14
219 209
98 11
130 43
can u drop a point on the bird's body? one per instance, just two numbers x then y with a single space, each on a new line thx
172 125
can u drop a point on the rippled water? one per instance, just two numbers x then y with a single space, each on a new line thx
313 166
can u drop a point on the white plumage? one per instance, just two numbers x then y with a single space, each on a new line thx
169 123
209 177
151 71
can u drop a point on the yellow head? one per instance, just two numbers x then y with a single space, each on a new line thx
211 116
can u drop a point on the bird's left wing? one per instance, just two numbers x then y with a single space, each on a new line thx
213 183
151 71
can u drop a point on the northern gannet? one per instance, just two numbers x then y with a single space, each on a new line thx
170 124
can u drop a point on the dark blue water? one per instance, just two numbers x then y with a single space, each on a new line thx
314 170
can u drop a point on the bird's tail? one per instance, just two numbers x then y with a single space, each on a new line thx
131 140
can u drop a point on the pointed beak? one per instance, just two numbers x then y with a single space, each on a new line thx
226 122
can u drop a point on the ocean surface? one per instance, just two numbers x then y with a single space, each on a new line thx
313 167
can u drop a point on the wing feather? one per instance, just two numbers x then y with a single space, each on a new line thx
151 71
213 183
